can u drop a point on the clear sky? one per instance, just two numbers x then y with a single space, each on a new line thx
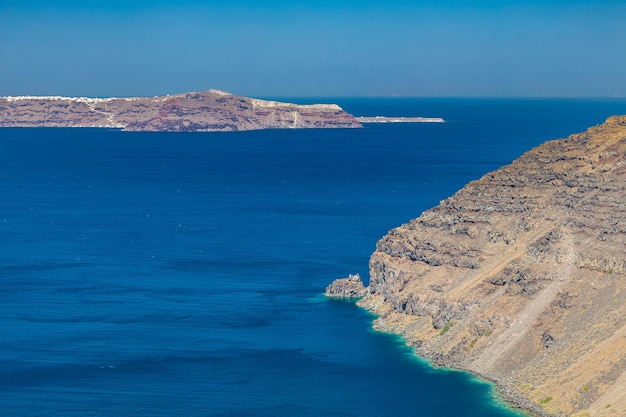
313 48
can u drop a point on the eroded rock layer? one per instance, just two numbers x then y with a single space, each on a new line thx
204 111
521 277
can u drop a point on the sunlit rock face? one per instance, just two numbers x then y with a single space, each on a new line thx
346 288
521 277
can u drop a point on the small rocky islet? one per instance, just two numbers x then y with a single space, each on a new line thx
349 288
519 277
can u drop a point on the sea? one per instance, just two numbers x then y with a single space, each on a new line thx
182 274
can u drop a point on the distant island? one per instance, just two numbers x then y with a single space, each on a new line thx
204 111
519 277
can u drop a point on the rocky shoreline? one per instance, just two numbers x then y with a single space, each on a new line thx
520 278
352 288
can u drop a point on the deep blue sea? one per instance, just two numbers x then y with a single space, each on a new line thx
181 274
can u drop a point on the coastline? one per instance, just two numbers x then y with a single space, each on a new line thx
352 290
510 397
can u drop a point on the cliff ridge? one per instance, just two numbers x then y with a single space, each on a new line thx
521 277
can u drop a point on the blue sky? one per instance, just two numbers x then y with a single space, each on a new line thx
319 48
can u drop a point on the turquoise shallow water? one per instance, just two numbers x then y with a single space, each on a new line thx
180 274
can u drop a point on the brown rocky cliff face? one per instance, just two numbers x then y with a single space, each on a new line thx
521 277
204 111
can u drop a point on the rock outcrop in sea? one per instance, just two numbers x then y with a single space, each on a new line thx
346 288
520 277
205 111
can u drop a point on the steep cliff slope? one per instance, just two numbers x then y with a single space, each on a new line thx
521 277
201 112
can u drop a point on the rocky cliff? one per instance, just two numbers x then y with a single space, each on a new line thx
346 288
204 111
521 277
